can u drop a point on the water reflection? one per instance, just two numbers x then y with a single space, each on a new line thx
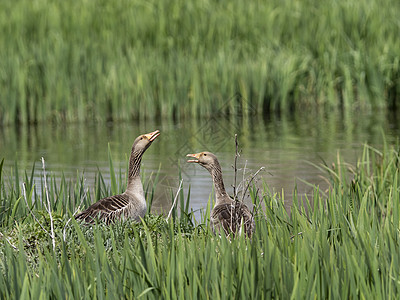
284 145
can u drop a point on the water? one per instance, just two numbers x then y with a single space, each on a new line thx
286 146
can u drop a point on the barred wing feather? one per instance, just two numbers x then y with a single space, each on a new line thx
231 217
107 209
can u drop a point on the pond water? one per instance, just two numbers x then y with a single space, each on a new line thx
286 146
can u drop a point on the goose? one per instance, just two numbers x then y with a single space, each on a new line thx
227 214
131 204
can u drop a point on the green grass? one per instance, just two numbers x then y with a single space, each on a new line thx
343 244
123 60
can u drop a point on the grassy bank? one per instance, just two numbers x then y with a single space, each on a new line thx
120 60
344 245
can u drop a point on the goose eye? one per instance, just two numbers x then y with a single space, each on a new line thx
205 154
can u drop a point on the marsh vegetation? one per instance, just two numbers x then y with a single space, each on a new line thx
292 78
343 245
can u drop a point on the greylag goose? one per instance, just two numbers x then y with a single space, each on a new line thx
132 203
226 214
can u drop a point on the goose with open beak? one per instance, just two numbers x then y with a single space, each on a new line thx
227 215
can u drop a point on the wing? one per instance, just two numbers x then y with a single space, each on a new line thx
107 209
231 217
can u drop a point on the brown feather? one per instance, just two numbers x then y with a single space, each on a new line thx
231 217
107 209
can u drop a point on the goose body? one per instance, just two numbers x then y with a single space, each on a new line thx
227 215
231 217
132 203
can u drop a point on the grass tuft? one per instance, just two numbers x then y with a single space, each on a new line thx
342 245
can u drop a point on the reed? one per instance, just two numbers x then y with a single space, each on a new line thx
342 245
78 61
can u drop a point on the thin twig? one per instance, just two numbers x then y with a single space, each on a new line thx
252 178
244 174
176 198
48 208
237 154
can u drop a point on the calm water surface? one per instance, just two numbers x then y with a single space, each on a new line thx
286 147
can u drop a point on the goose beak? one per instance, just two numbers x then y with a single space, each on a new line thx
195 156
152 135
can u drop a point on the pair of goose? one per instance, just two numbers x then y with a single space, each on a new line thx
227 215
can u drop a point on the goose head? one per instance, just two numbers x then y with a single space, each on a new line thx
205 159
142 142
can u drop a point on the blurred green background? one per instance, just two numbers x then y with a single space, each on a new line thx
135 59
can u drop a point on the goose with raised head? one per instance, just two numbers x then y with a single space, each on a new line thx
131 204
227 214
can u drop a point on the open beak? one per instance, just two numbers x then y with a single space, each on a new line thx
195 156
152 135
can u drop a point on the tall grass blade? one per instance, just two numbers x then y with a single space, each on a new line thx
113 179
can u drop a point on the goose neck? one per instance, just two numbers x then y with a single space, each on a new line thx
220 193
135 161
